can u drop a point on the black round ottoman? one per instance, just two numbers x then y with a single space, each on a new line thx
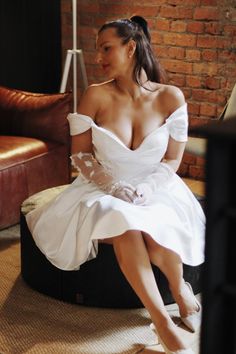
99 282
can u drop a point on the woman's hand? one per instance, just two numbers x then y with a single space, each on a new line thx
124 191
143 194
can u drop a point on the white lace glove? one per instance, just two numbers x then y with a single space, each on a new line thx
93 172
151 184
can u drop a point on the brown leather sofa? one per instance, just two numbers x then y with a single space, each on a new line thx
34 147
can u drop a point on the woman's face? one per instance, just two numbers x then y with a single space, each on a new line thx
114 56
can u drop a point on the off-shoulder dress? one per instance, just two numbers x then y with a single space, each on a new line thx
67 229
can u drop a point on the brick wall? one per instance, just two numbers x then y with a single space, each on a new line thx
195 41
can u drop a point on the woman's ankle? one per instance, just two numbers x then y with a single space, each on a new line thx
185 300
171 336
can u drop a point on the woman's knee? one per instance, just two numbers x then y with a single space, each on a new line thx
154 250
125 237
152 246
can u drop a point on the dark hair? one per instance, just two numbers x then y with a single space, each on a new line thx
136 28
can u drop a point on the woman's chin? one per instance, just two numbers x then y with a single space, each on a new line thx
109 75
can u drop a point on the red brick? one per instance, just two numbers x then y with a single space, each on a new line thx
195 27
176 79
177 66
65 6
212 83
114 9
213 28
151 23
205 68
197 172
193 81
207 42
148 2
87 20
176 12
208 110
99 21
213 42
196 122
65 22
209 55
176 52
209 2
203 95
109 2
232 14
200 161
227 56
183 170
145 11
185 40
206 13
223 82
162 24
157 37
178 26
87 2
89 57
193 108
88 8
193 54
189 159
187 92
230 29
160 52
86 44
183 2
219 110
88 32
221 98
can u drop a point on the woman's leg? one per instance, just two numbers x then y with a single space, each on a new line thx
133 258
171 265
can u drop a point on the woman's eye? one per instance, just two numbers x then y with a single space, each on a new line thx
106 49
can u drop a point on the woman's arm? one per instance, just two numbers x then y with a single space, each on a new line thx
89 106
173 99
174 154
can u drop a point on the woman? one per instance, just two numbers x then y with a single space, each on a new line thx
128 139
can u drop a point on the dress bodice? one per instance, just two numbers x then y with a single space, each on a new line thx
123 162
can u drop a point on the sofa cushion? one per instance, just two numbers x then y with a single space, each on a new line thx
17 150
35 115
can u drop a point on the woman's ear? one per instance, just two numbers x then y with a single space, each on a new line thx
131 48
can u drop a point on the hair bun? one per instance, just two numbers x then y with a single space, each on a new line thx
143 24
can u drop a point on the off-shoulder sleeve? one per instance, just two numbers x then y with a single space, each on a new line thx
79 123
178 123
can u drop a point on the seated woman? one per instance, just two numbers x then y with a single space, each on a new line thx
128 139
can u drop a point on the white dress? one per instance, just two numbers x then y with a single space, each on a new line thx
68 228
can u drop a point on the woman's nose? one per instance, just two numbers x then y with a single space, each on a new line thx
98 58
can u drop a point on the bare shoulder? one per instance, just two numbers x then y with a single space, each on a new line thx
172 97
92 99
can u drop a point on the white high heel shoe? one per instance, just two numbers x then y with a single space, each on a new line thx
193 321
167 351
